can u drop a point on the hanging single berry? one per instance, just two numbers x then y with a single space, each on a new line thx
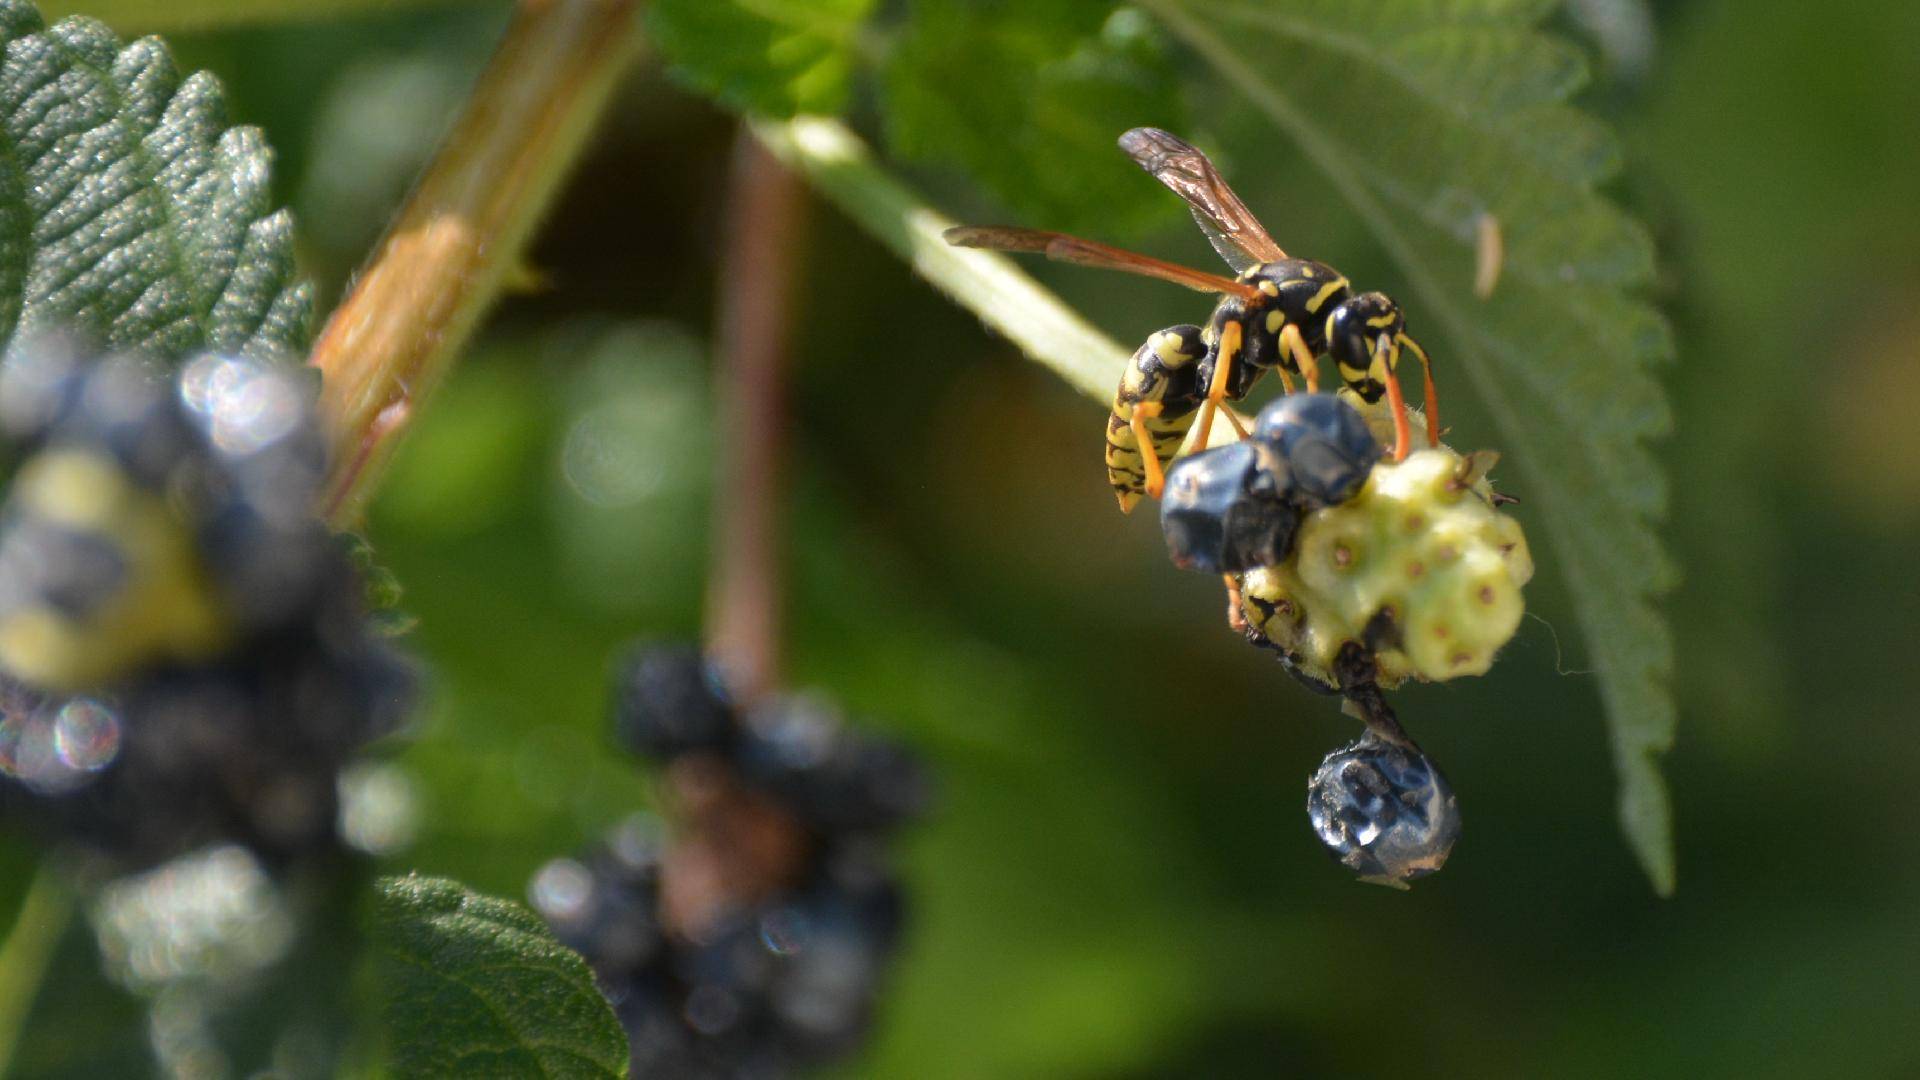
1384 811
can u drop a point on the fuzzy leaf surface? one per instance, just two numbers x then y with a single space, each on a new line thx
477 986
1428 115
130 211
767 57
1048 85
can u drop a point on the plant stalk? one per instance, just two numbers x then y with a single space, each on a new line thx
839 166
463 231
765 221
29 948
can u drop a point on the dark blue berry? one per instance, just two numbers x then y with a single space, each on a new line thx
1328 448
670 700
1226 510
1384 811
833 778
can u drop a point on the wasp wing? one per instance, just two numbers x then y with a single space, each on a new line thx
1230 227
1072 249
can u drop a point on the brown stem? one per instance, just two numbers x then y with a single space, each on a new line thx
462 232
734 847
765 220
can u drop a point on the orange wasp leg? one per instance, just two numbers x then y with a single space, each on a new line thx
1296 347
1433 396
1149 457
1396 401
1217 390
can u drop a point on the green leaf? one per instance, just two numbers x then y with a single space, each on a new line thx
476 986
129 210
1426 116
179 15
993 286
1029 97
771 57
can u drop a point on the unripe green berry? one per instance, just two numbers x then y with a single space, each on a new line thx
1420 561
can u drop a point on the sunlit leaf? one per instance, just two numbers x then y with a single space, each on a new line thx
771 57
476 986
1429 116
1048 84
129 209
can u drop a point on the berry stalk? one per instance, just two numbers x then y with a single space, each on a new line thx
765 222
462 232
44 913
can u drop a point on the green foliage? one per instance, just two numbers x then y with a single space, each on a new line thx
477 986
1048 87
1428 116
773 57
176 15
1047 84
1431 118
129 210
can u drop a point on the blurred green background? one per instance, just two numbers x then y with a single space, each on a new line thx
1120 880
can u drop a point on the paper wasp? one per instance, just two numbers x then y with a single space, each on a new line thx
1278 312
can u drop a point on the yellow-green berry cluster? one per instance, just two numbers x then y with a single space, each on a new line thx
1419 567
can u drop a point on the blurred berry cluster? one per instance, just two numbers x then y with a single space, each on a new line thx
185 657
753 937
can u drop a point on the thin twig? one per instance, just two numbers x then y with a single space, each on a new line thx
988 284
464 229
29 948
765 219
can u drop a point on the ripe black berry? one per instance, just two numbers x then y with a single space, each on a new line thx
1384 811
754 938
1227 509
1326 444
186 656
670 700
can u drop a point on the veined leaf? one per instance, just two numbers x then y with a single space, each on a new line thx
1428 116
1027 96
476 986
129 210
130 16
768 57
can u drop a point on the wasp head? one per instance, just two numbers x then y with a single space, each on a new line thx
1363 339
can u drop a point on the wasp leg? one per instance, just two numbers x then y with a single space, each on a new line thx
1236 615
1149 457
1433 396
1217 390
1296 347
1402 430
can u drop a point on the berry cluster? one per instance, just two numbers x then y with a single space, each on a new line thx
1360 574
185 654
1238 507
754 938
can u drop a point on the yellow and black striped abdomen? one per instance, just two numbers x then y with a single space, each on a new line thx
1162 372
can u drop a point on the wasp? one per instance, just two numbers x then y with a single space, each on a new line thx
1277 312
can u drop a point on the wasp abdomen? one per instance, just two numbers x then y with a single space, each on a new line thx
1163 375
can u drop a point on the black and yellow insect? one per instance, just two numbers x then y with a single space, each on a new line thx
1279 312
